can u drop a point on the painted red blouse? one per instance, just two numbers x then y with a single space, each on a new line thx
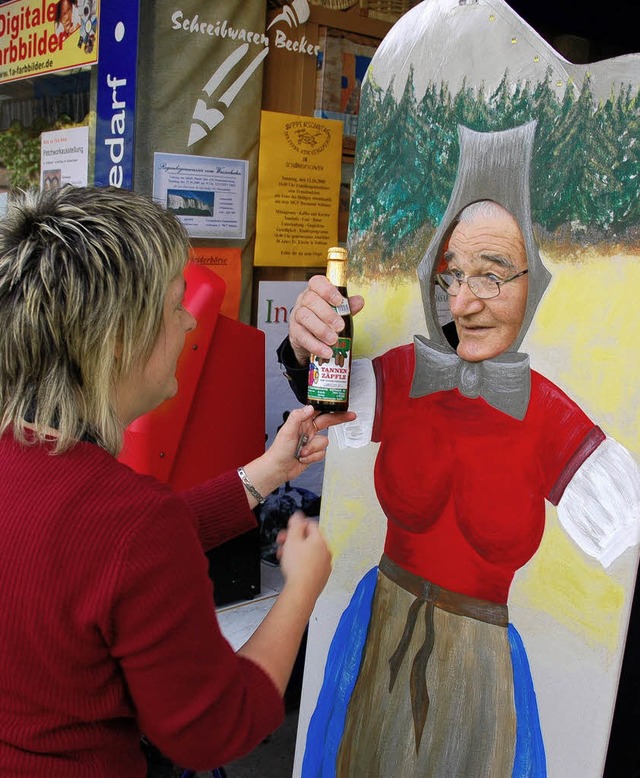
462 484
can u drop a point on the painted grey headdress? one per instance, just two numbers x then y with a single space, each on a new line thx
493 166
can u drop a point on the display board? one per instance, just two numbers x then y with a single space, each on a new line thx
507 541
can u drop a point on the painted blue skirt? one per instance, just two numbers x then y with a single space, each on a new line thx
341 672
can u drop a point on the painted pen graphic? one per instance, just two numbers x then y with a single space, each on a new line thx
294 14
205 119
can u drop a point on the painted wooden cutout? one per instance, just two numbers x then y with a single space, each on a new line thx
416 663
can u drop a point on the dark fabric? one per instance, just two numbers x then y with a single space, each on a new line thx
297 376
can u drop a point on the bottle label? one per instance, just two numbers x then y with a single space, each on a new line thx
343 309
329 378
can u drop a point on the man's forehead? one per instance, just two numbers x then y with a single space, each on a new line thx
488 240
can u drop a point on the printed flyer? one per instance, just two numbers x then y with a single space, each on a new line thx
64 158
207 194
227 263
298 189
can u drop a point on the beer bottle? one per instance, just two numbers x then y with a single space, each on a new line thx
328 389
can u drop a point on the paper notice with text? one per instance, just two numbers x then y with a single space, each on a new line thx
298 189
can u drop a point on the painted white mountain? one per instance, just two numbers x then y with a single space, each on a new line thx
490 34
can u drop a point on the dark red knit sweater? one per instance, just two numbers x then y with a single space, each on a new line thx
107 621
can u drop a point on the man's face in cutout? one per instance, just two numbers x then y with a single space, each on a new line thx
488 245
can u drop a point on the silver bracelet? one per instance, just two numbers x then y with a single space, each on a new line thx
249 486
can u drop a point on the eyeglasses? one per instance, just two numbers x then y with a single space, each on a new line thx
483 287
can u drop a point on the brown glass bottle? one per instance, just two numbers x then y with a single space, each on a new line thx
329 379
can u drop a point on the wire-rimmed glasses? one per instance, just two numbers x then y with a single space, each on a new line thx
483 287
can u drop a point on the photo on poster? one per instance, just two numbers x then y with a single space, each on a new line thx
51 180
183 202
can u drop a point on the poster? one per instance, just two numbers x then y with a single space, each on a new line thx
116 96
207 194
275 301
217 44
226 263
298 189
39 36
64 157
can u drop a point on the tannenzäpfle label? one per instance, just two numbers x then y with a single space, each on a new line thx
329 378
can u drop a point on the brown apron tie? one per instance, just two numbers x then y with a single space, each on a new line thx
429 595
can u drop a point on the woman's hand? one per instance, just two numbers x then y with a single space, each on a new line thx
297 445
299 442
305 559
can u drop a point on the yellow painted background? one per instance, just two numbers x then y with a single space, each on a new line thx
583 338
571 613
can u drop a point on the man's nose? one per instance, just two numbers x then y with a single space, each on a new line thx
465 302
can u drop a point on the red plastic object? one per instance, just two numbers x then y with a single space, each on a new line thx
217 419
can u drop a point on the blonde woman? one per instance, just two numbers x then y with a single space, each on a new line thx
107 621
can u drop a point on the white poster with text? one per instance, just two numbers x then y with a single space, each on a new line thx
207 194
64 158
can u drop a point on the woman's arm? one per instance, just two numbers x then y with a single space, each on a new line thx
222 506
197 700
305 562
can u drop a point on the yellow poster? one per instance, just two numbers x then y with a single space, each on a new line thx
298 189
43 36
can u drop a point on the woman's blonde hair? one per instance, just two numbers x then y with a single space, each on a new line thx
83 276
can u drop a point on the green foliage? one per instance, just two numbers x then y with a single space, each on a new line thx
585 177
20 150
20 154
